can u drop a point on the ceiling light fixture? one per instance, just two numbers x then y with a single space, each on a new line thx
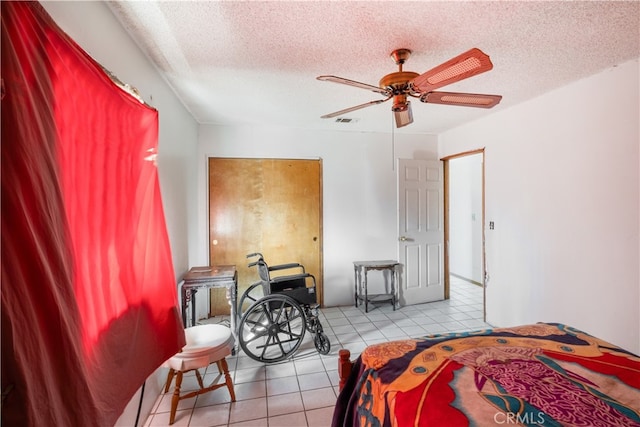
403 114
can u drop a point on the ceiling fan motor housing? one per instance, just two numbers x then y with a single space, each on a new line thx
398 84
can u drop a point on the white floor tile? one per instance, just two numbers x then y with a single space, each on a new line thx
245 362
248 410
394 333
288 420
319 417
282 385
246 391
313 381
343 329
404 322
370 335
262 422
162 420
210 415
396 315
413 331
319 398
359 319
377 317
460 316
351 337
452 326
281 370
362 327
284 404
339 321
333 315
309 366
257 373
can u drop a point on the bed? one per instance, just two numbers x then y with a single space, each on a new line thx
542 374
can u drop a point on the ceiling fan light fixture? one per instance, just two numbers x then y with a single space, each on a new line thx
403 114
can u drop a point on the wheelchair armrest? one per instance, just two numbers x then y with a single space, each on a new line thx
286 266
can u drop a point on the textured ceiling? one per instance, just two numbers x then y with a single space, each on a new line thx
256 62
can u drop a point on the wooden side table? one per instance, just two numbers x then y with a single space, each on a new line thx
361 268
215 276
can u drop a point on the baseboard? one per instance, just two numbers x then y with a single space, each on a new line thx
466 279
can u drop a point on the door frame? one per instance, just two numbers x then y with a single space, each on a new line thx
447 225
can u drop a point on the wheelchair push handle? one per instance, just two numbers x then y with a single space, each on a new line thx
254 254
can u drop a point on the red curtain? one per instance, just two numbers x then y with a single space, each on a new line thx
89 303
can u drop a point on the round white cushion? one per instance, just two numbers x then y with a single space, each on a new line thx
205 344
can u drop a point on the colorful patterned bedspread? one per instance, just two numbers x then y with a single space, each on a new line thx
543 374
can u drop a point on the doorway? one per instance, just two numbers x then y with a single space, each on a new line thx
464 222
271 206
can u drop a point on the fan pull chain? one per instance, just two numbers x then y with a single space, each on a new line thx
393 144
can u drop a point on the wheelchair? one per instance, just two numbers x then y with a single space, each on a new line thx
281 310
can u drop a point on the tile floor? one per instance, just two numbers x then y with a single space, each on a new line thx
303 391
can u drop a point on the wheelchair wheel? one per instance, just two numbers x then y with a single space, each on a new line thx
272 329
321 341
250 296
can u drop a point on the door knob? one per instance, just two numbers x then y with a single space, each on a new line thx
403 238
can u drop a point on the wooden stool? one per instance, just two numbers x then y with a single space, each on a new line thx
206 344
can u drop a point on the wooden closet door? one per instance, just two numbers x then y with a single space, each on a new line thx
272 206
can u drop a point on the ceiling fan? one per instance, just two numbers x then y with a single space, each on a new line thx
402 84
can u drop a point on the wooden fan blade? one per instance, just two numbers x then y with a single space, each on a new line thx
350 109
462 99
353 83
461 67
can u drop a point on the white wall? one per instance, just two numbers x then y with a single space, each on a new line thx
465 217
562 185
359 189
95 29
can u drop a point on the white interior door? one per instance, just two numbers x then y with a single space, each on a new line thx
421 230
